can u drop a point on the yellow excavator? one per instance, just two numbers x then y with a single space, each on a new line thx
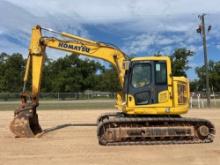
151 100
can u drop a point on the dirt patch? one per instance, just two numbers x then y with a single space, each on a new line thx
77 144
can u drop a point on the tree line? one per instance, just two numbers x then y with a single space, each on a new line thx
66 74
72 74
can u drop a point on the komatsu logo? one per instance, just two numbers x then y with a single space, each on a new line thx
77 48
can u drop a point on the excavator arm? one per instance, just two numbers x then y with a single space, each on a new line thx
74 44
69 43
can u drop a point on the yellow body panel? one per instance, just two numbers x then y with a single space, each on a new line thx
163 96
170 107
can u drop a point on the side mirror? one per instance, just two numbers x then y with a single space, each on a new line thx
127 64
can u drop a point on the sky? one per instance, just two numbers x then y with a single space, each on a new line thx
137 27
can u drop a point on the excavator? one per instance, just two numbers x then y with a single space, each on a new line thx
150 102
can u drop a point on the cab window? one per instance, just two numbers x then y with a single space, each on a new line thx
141 75
160 73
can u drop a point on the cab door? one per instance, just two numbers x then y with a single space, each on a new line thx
146 80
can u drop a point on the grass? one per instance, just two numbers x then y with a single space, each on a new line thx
64 105
82 104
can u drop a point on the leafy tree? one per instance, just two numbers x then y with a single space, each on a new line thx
214 76
11 72
47 76
70 74
180 60
108 81
194 86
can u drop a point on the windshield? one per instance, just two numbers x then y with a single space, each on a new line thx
141 75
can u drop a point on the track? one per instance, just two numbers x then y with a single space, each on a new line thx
121 129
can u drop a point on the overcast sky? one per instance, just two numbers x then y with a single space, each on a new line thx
138 27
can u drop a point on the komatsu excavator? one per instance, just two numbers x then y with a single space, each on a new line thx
151 100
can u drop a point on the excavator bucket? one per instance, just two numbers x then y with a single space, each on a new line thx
25 122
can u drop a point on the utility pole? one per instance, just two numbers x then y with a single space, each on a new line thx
202 31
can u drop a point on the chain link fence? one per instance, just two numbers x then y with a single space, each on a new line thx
62 96
199 100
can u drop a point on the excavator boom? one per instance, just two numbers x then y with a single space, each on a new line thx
73 44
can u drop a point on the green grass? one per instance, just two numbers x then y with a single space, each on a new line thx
79 105
64 105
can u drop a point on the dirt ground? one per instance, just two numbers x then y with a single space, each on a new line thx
78 145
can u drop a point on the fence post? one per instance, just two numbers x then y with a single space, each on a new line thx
191 101
198 99
202 101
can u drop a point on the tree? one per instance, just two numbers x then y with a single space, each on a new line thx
214 76
194 85
180 60
70 74
108 81
11 72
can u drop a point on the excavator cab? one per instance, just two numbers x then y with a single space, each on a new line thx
146 80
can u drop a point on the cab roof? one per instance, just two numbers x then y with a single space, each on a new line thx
151 58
